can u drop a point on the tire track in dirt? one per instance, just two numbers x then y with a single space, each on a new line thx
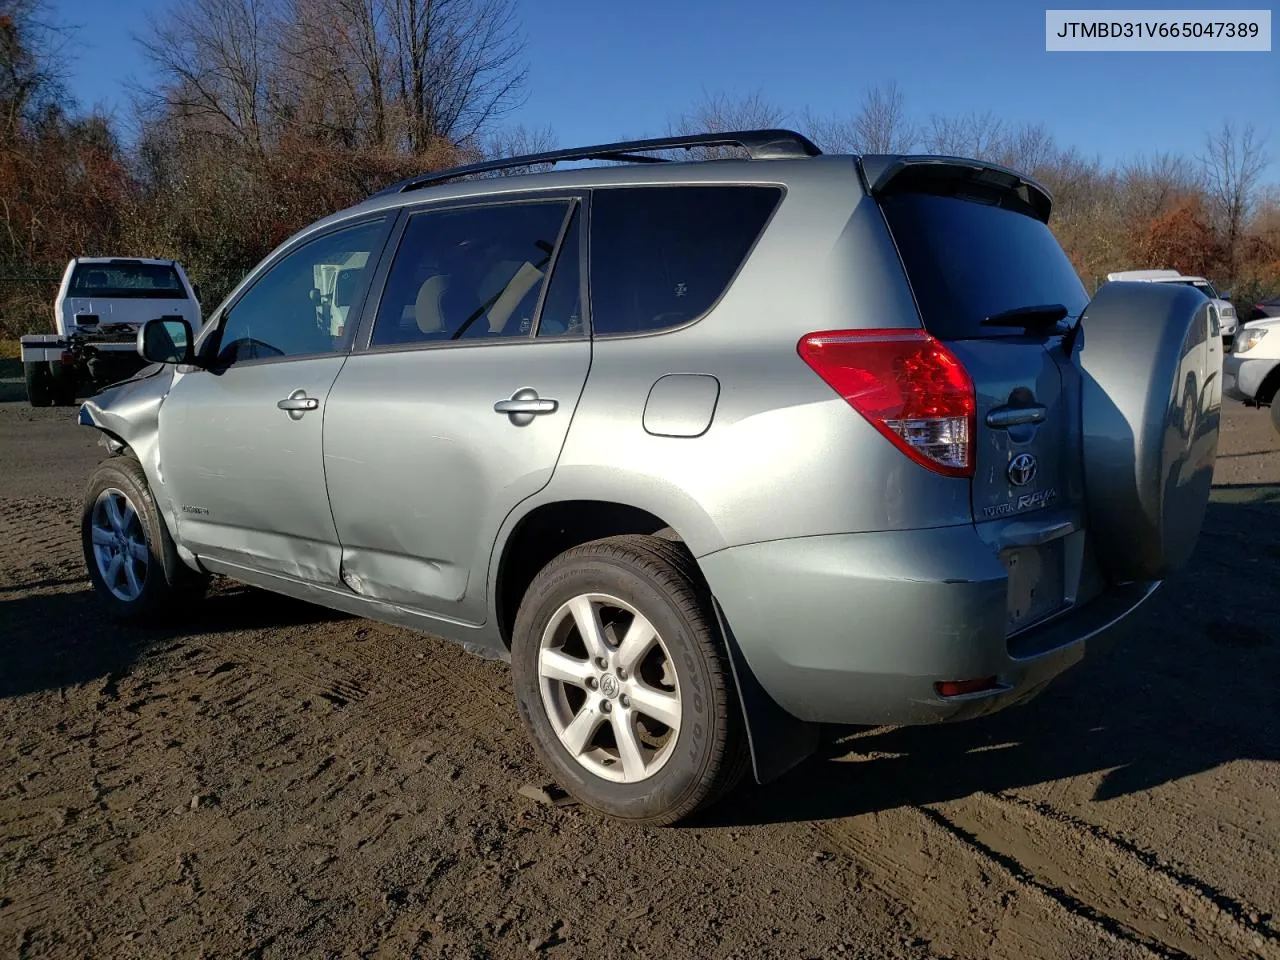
1211 900
1105 879
43 538
964 902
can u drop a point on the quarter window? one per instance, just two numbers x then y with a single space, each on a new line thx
304 305
469 274
562 311
661 256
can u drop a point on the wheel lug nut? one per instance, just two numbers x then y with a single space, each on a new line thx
624 700
602 663
622 674
605 706
592 683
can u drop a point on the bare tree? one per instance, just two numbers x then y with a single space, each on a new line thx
721 113
457 65
1149 186
882 125
1233 162
334 70
216 59
832 133
1029 148
31 76
981 136
518 141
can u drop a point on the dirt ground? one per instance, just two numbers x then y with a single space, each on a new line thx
268 779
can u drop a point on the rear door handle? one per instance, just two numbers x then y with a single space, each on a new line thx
297 403
524 404
1002 418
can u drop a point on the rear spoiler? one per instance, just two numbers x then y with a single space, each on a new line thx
889 174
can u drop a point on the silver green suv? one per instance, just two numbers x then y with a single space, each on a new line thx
713 453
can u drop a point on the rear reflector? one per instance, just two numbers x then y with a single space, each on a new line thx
907 385
958 688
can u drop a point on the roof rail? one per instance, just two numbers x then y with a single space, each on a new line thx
759 144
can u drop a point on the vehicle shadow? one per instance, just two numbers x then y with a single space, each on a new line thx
12 391
1192 688
58 640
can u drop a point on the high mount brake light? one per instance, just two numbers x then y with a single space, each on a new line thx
907 385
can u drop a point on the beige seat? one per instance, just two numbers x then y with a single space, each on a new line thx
525 279
427 312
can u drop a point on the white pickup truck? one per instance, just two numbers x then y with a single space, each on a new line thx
1252 370
1226 310
101 303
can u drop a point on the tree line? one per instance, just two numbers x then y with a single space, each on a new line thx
264 115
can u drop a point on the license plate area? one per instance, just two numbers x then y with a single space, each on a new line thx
1037 584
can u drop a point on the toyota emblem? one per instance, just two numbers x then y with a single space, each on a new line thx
1022 469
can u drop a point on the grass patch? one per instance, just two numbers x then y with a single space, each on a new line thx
10 350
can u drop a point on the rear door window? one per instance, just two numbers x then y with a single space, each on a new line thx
661 256
967 261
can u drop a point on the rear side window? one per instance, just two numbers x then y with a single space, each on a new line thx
967 261
661 256
125 280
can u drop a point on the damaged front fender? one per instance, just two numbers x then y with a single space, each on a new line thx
128 415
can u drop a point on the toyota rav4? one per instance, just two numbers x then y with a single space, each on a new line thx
712 452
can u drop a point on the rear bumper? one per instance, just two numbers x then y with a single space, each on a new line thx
857 628
1241 377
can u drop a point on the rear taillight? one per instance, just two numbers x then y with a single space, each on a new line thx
908 385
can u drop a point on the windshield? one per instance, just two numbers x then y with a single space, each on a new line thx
968 261
124 280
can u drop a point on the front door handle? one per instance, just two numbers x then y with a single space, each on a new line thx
524 405
297 403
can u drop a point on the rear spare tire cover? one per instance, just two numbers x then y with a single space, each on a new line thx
1150 415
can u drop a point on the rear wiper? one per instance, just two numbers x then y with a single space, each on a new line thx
1030 318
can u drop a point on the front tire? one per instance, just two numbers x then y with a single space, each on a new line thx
623 683
131 558
1275 412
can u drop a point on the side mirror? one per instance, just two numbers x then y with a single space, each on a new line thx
166 341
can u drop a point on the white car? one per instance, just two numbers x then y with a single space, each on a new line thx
1252 371
1226 312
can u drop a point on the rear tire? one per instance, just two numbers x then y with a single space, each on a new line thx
63 381
1275 413
131 558
651 731
39 383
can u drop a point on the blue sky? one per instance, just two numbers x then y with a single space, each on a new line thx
600 69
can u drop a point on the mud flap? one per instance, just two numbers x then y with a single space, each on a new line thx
1150 411
778 741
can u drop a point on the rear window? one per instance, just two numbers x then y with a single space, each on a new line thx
661 256
156 281
1203 287
967 261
